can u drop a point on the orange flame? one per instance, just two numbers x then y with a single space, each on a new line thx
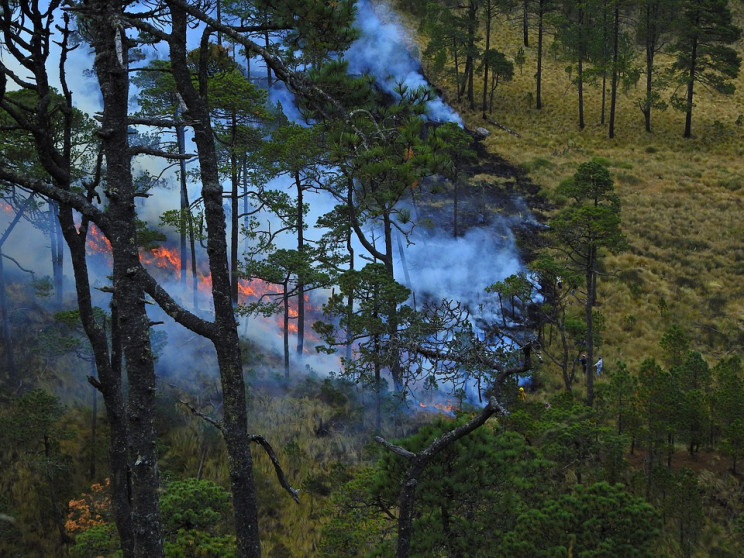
169 261
445 407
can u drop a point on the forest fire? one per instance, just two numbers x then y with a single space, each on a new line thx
169 261
441 406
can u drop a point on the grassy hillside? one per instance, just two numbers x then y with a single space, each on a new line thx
681 198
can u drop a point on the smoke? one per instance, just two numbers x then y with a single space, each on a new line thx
460 268
436 265
382 51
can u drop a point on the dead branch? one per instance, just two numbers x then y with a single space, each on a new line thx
277 466
501 126
214 422
144 150
394 448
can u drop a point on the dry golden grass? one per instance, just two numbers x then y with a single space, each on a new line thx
681 199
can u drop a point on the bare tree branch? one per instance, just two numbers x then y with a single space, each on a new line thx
144 150
277 466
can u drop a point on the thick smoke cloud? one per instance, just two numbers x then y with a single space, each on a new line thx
443 267
382 51
436 265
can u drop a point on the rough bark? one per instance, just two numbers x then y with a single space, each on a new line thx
225 338
109 43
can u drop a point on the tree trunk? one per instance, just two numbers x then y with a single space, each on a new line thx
615 47
650 17
525 22
455 216
285 305
234 213
58 253
580 69
470 64
181 143
690 88
350 250
485 63
93 423
538 75
300 280
458 88
396 370
110 64
225 335
13 379
604 63
7 336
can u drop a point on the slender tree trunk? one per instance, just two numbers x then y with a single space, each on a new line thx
580 69
604 63
58 253
225 337
485 63
59 518
472 25
350 250
300 279
615 47
267 46
525 22
93 423
690 88
234 213
455 207
378 386
185 210
650 17
396 370
285 305
458 87
13 378
7 335
538 75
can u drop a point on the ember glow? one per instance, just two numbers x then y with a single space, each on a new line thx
440 406
165 263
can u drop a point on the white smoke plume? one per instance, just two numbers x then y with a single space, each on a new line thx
382 50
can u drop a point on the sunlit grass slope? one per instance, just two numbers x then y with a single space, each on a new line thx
681 198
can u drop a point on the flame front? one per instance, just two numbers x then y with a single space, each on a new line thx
442 406
167 261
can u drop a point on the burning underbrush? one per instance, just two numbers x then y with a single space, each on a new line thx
164 263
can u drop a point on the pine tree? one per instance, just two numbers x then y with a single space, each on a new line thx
703 30
582 230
